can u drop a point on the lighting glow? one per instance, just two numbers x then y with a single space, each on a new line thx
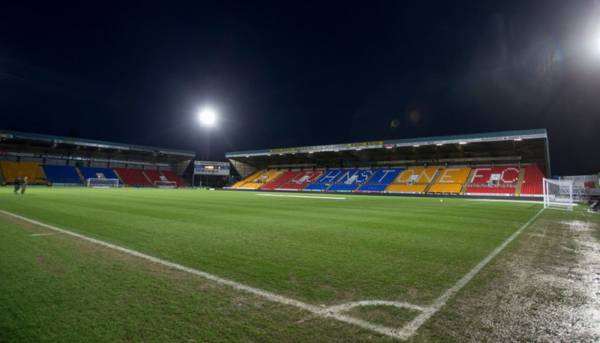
207 117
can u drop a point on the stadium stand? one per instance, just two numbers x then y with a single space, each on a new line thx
284 178
413 180
300 180
247 179
65 175
351 179
324 182
493 180
11 170
171 176
97 172
153 176
532 184
259 179
133 177
450 180
380 180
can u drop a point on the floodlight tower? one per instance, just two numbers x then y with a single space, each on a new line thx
207 117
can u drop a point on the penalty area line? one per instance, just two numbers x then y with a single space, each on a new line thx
300 196
321 311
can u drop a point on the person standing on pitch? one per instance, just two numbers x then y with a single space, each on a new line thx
17 184
24 185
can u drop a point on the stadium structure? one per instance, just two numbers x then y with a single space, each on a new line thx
499 164
67 161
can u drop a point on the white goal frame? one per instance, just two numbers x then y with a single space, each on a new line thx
165 184
558 194
105 184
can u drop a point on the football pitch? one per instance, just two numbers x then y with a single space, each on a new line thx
192 265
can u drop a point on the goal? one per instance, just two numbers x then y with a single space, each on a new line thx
558 194
165 184
101 182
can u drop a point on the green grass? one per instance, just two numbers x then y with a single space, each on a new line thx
319 251
61 289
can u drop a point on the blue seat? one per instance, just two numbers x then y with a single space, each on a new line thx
380 180
325 181
62 174
351 179
96 172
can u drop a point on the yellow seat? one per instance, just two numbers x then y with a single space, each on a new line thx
258 179
11 170
413 180
399 188
450 180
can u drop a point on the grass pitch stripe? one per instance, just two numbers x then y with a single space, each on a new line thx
412 327
317 310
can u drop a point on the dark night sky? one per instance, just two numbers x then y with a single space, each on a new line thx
304 73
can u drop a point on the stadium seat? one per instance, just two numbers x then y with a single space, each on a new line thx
300 180
413 180
493 180
284 178
380 180
171 176
351 179
450 180
328 178
247 179
532 181
62 175
96 172
11 170
133 177
153 176
259 179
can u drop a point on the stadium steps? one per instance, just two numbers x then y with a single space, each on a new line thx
147 178
81 177
436 176
463 190
247 179
519 182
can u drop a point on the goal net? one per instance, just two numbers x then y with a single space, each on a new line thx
558 194
165 184
101 182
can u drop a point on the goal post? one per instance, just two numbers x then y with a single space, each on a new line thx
558 194
101 182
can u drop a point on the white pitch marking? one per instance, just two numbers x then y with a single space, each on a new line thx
300 196
42 234
409 329
317 310
509 201
335 311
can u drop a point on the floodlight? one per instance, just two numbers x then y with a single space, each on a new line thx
207 117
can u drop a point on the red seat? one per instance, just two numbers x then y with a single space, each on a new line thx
533 181
133 177
301 180
282 179
504 185
153 175
171 176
